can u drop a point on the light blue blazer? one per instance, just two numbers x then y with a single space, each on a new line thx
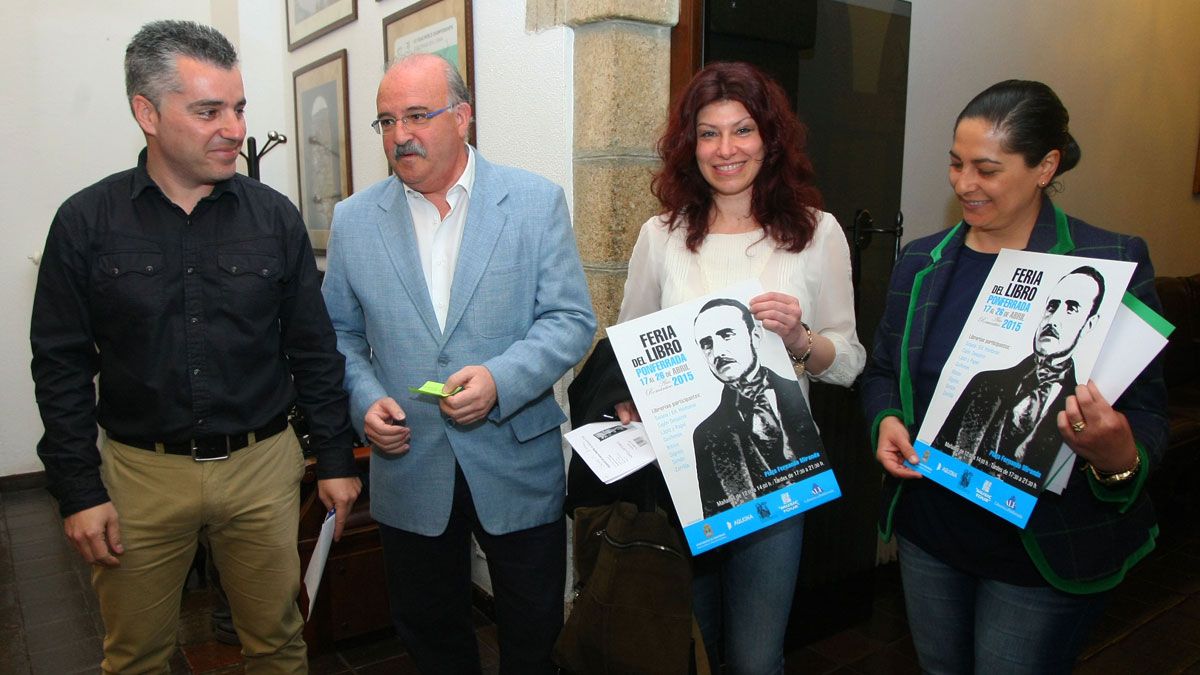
519 305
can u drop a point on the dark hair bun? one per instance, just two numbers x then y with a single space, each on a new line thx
1031 119
1070 155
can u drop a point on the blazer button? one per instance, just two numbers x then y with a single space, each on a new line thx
443 360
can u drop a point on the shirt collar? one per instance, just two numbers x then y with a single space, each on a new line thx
466 181
142 181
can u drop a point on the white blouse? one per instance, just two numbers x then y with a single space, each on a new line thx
663 273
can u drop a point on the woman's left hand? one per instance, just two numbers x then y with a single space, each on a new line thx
780 313
1097 432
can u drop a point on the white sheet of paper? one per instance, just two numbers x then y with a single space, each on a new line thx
1131 344
316 564
611 450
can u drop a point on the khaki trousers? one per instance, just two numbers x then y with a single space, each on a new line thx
248 505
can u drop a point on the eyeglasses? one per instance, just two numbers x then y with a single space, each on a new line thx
411 121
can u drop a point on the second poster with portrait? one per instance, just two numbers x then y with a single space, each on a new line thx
1035 331
726 416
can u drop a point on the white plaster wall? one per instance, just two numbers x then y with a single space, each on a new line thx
1128 72
66 125
259 32
523 89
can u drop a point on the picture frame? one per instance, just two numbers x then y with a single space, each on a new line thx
439 26
308 20
322 104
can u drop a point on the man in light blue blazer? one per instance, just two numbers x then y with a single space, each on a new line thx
463 272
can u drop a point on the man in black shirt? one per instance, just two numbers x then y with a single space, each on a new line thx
192 292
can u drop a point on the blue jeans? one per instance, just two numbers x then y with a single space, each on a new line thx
961 623
742 595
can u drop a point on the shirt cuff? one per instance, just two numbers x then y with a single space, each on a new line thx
335 460
78 494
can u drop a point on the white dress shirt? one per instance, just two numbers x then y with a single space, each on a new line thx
438 238
664 273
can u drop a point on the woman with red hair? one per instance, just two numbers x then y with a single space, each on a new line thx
738 203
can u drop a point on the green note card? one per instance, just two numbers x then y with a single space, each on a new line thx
433 389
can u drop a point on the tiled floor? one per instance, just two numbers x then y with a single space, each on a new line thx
49 621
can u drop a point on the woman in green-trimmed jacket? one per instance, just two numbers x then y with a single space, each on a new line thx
981 594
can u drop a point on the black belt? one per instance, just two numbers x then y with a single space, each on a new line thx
208 448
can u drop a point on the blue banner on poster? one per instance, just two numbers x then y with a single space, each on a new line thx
975 485
764 511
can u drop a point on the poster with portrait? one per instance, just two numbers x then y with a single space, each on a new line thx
1034 332
725 415
322 142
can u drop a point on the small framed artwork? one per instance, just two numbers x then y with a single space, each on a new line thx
308 20
322 142
437 26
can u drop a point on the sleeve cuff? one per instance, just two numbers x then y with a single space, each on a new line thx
336 461
79 494
887 412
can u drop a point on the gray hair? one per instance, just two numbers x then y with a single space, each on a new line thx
150 58
459 93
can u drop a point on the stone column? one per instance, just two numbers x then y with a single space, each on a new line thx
622 85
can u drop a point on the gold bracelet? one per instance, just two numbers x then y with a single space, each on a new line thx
1120 476
801 362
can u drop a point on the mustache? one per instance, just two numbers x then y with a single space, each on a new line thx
722 361
409 147
1048 331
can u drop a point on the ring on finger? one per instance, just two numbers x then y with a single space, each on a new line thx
1079 426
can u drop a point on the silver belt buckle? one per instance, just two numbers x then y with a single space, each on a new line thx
210 459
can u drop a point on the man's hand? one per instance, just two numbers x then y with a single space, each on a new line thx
96 534
894 447
382 426
339 494
476 399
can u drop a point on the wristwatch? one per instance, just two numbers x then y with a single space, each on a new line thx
801 362
1118 477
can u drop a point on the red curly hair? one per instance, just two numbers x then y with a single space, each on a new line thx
784 194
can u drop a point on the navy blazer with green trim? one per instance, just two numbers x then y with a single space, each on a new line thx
1084 540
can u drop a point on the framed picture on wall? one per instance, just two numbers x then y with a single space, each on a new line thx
438 26
322 142
308 20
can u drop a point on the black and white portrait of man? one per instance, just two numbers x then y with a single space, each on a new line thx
1012 411
762 421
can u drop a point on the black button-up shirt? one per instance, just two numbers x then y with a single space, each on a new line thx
197 324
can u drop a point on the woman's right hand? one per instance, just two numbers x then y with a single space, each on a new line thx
627 412
895 446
